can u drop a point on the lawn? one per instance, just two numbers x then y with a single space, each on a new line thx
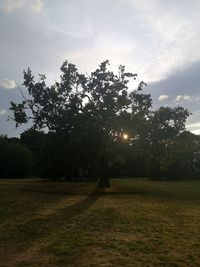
137 223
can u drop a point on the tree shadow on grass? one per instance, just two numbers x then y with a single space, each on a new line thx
128 191
61 189
39 231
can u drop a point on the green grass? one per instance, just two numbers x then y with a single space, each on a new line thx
136 223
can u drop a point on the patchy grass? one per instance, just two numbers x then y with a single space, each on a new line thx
135 223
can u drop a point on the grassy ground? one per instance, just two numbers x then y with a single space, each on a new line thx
138 223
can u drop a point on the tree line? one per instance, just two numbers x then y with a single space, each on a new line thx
90 127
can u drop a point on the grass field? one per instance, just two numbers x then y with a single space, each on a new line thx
137 223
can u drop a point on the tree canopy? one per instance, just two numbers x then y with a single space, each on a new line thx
94 122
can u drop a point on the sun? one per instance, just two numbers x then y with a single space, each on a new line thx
125 136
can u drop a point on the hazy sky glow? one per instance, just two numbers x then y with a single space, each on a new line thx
157 39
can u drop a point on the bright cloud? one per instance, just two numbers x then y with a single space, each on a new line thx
163 97
153 48
2 112
172 38
194 127
8 6
7 84
197 132
37 5
182 98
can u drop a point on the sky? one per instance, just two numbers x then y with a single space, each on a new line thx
157 39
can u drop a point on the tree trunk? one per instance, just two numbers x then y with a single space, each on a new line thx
104 182
104 173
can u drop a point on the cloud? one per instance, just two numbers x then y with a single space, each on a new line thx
164 52
152 48
37 5
184 81
155 47
196 99
182 98
163 97
194 127
173 38
197 131
2 111
7 84
186 98
8 6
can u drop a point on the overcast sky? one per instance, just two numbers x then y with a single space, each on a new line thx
157 39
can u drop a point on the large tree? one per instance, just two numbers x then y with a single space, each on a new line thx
88 116
90 111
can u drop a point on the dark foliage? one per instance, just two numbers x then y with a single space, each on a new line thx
15 159
90 127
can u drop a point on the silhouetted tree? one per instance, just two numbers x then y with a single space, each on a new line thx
165 126
85 118
15 159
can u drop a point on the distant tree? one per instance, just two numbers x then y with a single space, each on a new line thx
165 127
15 159
35 141
184 157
